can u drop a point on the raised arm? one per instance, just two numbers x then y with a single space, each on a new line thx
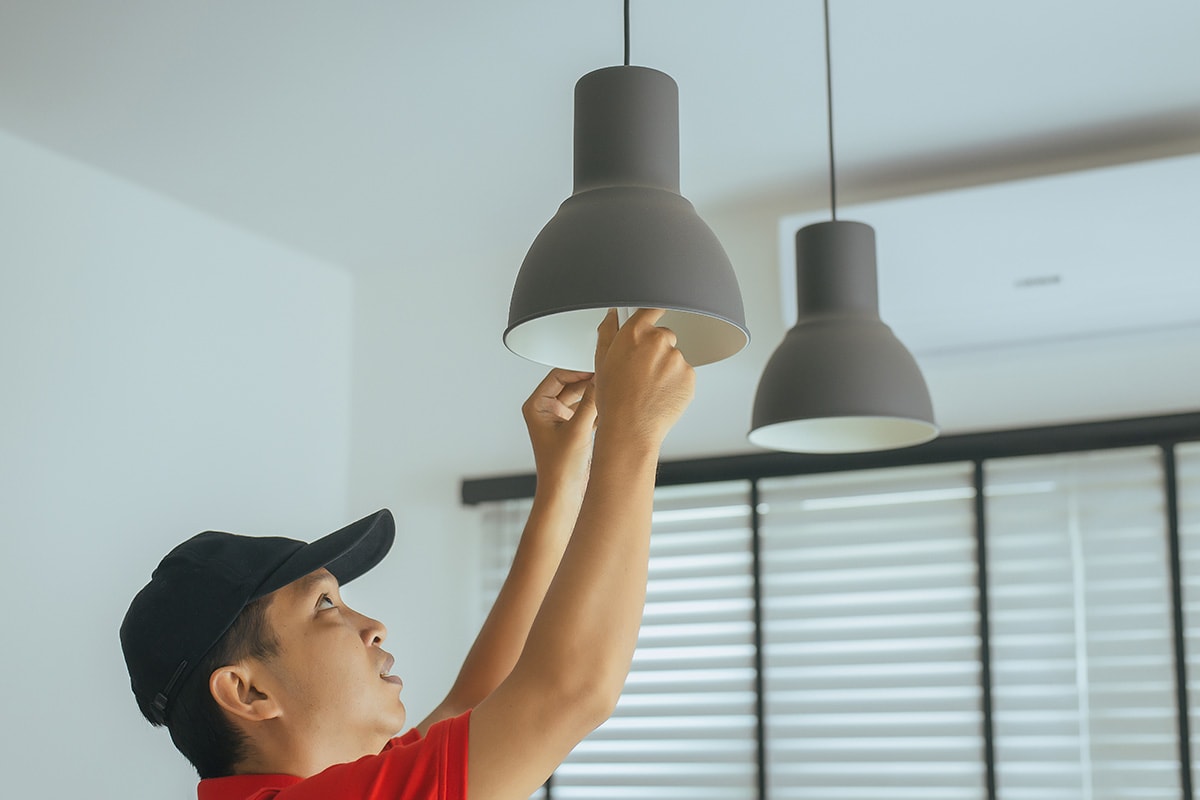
579 649
560 415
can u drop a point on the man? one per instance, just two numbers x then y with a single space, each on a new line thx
274 688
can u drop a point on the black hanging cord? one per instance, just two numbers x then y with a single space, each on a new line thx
829 102
627 33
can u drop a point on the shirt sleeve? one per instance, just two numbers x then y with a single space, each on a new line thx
410 768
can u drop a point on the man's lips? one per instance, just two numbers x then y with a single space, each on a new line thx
386 668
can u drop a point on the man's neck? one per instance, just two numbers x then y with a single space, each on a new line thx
277 753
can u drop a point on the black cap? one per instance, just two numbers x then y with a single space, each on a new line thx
201 586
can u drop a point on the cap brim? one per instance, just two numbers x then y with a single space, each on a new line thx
347 553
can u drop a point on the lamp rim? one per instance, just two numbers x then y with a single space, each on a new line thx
566 338
828 435
633 304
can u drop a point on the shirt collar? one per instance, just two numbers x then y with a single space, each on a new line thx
243 787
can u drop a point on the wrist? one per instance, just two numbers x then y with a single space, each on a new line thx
559 492
642 440
625 449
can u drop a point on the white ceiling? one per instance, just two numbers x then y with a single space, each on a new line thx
433 140
376 133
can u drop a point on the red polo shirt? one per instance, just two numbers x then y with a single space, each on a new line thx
408 768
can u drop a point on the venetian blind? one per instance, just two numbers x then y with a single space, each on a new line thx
872 636
1188 483
685 724
1082 658
502 525
871 633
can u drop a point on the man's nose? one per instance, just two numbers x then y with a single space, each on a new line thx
373 631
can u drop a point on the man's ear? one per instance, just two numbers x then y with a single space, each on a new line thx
234 689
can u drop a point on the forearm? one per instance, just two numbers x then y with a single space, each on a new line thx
587 627
579 649
502 637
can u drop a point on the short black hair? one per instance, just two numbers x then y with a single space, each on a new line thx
198 725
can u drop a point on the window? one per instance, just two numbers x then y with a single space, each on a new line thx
827 624
502 523
1081 624
685 724
1188 482
871 635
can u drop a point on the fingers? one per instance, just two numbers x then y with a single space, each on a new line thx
647 316
611 326
646 383
585 413
558 379
644 323
551 407
569 396
605 335
557 395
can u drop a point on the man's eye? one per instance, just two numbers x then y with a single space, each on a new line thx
325 602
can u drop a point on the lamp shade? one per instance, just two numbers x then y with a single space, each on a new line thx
841 381
626 237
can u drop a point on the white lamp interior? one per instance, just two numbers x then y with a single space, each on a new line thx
843 434
568 339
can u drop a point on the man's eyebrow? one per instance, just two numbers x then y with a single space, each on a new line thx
314 579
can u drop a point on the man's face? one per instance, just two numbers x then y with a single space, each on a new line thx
331 677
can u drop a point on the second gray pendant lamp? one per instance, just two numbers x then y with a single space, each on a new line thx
626 238
841 381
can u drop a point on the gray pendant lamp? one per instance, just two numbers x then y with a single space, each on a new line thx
841 381
626 238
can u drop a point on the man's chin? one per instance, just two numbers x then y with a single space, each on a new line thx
396 722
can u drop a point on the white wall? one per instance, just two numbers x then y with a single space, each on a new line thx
411 445
160 373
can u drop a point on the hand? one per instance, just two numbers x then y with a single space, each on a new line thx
560 416
643 383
